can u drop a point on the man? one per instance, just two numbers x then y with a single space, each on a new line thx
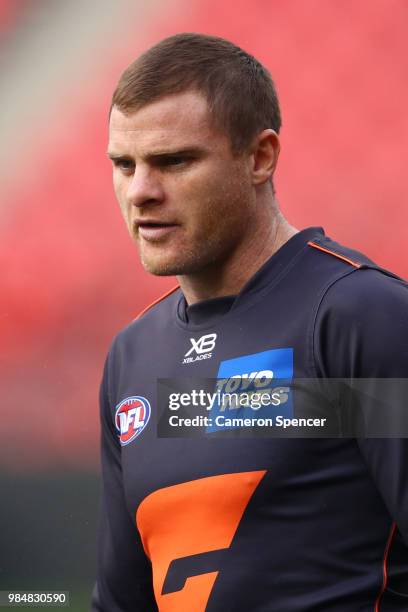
239 522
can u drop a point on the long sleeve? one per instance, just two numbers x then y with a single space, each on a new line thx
124 582
362 332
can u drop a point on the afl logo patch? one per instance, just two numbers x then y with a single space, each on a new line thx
131 417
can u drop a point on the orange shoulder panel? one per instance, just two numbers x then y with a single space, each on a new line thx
342 257
162 297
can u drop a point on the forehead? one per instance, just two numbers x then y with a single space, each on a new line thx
175 120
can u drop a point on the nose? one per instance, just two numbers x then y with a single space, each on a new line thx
144 188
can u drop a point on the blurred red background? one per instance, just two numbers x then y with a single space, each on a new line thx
70 275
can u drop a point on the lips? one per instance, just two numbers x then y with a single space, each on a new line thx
153 230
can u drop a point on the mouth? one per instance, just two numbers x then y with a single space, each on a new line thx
154 230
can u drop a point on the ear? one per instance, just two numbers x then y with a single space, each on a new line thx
265 153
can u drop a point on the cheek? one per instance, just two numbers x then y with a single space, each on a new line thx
220 203
119 188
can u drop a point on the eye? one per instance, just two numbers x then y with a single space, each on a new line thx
125 165
175 160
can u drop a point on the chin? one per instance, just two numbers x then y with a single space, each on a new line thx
160 270
162 266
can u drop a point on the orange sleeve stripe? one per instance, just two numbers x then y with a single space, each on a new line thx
385 561
346 259
162 297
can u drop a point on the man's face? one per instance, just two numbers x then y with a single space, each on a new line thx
186 199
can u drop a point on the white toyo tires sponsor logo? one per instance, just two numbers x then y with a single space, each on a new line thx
201 348
258 379
131 417
254 389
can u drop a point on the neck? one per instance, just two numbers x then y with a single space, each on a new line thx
229 276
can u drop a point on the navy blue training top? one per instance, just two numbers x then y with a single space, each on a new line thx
257 524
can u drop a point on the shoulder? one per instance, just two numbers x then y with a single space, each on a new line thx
361 327
153 319
322 246
367 292
354 283
160 304
361 320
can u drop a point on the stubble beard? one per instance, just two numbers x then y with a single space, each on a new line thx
189 260
216 241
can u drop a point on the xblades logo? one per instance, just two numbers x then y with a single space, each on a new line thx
205 344
200 349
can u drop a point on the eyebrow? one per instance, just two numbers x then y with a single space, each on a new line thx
157 155
117 156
